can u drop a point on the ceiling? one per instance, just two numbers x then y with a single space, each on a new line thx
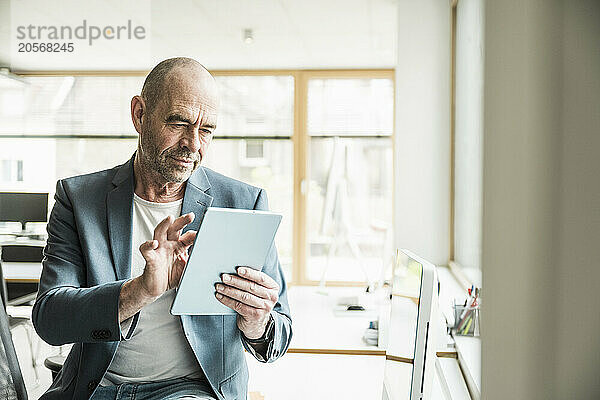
286 33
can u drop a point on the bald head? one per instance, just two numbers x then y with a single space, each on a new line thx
175 117
171 74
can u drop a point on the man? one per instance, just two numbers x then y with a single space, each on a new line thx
117 245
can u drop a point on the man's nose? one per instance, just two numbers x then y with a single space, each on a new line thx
192 139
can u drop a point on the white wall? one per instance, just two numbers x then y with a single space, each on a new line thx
422 141
541 199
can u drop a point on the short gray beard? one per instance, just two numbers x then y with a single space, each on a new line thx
153 160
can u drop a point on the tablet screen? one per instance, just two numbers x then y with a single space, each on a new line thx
227 238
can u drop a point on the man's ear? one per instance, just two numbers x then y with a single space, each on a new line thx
138 112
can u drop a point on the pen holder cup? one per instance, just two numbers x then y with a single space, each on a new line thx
466 322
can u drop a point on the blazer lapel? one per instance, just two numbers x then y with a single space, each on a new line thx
195 199
119 204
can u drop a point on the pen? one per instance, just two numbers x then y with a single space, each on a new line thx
468 326
462 315
464 320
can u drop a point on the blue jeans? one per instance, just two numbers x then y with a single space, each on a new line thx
181 388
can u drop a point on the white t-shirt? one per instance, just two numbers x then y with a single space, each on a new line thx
158 349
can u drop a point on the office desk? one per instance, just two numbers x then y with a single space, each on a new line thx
22 281
321 327
329 376
22 272
21 268
327 347
319 377
34 239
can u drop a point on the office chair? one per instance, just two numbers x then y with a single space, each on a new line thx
11 379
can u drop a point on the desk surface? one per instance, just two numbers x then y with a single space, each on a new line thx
27 240
329 376
319 327
21 272
322 327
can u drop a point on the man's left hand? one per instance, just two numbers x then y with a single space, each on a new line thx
252 294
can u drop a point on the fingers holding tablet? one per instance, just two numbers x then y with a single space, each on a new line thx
250 286
242 296
252 294
258 276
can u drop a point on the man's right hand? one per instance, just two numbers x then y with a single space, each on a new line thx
166 255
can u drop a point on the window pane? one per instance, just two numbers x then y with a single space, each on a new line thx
255 105
100 105
67 105
44 161
82 156
350 107
349 208
11 170
267 164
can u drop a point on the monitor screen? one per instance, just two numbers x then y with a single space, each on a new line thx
409 346
23 207
406 289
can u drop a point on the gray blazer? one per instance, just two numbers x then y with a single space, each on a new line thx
88 258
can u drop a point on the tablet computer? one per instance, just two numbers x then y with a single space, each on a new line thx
227 238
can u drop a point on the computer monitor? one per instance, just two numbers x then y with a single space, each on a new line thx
412 329
23 207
